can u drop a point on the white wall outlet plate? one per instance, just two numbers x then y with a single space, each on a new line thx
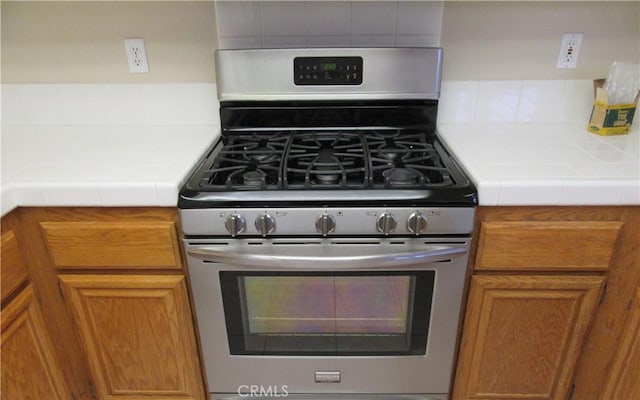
569 50
136 55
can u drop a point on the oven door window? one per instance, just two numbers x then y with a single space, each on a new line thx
327 314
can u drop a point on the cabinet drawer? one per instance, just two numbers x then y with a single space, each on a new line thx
112 245
546 246
14 269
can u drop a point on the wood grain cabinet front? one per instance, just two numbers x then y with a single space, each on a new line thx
549 295
14 269
114 297
126 245
29 367
624 378
546 245
137 333
522 335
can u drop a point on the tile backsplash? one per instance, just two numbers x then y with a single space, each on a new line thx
147 104
516 101
190 104
256 24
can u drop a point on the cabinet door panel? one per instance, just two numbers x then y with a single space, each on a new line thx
29 367
137 333
14 269
522 335
624 381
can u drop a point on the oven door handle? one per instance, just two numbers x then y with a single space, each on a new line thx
324 258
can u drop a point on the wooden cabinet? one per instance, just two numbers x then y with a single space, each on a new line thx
624 378
95 305
548 286
546 245
523 335
115 301
30 368
14 268
124 245
138 334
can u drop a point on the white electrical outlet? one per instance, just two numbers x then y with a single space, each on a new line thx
136 55
569 50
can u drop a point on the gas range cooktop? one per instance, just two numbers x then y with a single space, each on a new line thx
317 160
297 133
304 168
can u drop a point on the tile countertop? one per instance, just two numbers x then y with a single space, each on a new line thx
103 145
546 163
522 142
526 143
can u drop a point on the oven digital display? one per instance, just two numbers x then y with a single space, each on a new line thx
327 71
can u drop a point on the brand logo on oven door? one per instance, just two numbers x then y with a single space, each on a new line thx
275 391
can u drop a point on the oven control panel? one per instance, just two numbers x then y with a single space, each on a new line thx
327 70
328 221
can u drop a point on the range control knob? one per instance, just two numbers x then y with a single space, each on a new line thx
265 224
417 223
234 224
386 223
325 224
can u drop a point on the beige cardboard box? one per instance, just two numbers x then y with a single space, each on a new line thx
610 119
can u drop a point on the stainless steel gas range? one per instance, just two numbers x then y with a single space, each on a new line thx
327 231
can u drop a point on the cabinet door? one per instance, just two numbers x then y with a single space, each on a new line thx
137 333
14 270
29 367
522 335
624 381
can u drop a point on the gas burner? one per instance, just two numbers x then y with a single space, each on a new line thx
322 159
327 178
259 153
393 151
249 178
385 134
326 171
246 161
254 178
401 177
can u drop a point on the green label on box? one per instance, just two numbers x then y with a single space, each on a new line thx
619 117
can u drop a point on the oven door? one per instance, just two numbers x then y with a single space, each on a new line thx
374 316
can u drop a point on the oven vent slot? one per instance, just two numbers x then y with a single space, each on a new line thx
446 243
297 243
376 243
208 244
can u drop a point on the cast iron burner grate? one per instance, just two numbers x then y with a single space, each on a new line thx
404 159
325 159
247 161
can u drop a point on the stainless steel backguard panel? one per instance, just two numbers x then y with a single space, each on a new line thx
388 73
